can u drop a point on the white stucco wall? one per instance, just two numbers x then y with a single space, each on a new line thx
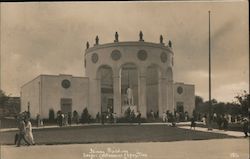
30 94
187 96
129 55
45 92
51 92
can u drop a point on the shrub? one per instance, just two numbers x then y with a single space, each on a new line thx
75 117
51 115
85 117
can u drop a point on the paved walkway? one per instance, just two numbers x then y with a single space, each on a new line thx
201 149
231 133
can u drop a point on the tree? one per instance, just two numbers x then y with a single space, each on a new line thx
198 101
85 117
243 101
204 106
3 98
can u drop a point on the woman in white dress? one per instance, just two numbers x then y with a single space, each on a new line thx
29 133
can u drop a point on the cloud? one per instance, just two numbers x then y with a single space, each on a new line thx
50 38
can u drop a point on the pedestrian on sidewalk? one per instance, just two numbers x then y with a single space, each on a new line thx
22 133
164 117
29 133
204 120
225 123
138 117
193 124
245 124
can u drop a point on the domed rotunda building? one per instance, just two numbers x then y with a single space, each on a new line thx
119 75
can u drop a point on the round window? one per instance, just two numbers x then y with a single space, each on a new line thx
116 55
94 58
66 83
142 55
179 90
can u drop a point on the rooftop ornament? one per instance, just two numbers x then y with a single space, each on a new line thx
97 40
141 36
161 40
116 37
87 45
170 43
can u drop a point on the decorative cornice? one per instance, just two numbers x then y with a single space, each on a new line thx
128 43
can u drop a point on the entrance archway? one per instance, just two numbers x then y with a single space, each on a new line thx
152 90
129 87
105 75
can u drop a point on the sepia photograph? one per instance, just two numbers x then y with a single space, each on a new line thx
124 80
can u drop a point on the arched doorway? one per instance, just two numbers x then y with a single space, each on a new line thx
105 75
129 87
152 91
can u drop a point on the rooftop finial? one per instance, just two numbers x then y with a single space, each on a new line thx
161 39
170 43
97 40
87 45
116 37
141 36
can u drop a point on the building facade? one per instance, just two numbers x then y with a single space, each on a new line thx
63 92
119 75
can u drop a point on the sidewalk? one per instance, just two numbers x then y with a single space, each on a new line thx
231 133
205 149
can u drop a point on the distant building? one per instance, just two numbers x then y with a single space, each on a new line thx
119 75
63 92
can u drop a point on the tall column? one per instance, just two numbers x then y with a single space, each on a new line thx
117 93
94 97
164 95
160 95
142 92
170 93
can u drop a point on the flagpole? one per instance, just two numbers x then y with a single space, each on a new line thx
209 61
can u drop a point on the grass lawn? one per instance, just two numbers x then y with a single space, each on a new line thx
113 134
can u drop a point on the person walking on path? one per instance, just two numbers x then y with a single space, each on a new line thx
225 123
193 124
22 132
29 133
245 125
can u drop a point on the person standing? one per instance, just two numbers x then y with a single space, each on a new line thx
22 132
29 133
193 124
164 116
225 123
59 118
102 118
204 121
69 118
152 114
245 125
138 118
98 117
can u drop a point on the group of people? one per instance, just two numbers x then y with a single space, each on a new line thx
176 116
25 133
64 119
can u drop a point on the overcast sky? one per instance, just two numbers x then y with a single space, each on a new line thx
49 38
